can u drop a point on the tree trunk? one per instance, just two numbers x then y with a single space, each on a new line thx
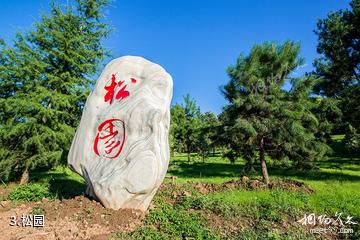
25 176
188 156
264 171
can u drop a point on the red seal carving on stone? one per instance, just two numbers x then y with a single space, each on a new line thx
110 138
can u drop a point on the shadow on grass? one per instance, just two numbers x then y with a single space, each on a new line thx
199 170
318 175
195 170
338 163
60 184
67 188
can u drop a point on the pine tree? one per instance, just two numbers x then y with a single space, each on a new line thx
192 125
177 130
339 62
208 134
185 126
263 117
45 78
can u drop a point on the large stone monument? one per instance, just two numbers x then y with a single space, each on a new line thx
121 147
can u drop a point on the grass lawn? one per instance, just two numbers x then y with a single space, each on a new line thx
183 211
336 187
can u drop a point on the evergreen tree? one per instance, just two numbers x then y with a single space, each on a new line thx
208 134
192 125
177 130
185 126
339 64
45 78
263 117
352 141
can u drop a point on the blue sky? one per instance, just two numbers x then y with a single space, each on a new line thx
195 41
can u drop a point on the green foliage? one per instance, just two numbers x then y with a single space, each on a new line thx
352 141
193 131
329 115
192 125
339 49
339 64
230 155
192 110
45 79
177 130
208 136
186 127
31 192
262 116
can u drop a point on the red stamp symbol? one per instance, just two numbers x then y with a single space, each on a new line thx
110 138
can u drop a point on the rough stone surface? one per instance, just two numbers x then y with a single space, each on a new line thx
121 147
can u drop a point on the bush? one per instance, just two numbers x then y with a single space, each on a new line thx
31 192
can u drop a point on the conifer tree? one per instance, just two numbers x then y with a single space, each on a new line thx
339 61
263 117
185 126
208 134
45 77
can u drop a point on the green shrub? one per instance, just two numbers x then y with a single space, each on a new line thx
31 192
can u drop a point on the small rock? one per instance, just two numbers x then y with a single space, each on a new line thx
151 206
245 179
4 204
44 200
254 184
186 194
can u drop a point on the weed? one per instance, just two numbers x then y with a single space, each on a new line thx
31 192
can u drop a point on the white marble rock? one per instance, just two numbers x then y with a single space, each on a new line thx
121 146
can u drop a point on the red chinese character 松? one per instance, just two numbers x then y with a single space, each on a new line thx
110 138
121 94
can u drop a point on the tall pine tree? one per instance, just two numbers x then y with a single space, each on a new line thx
263 117
45 77
339 62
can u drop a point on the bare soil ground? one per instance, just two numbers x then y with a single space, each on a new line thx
77 218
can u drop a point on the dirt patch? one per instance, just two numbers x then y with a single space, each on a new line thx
291 185
6 190
227 227
77 218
